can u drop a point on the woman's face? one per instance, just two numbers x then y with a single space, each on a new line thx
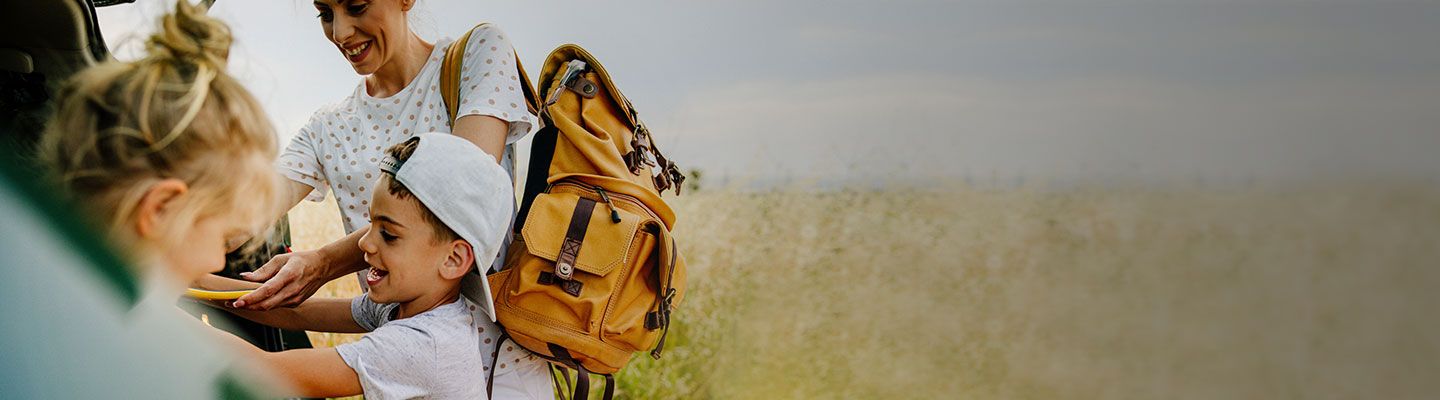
364 29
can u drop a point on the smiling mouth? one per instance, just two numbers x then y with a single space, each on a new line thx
357 53
375 275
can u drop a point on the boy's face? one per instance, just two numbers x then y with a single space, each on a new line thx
405 255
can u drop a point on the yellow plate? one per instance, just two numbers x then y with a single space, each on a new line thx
216 294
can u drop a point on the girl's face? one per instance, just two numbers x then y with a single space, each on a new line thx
188 244
362 30
204 247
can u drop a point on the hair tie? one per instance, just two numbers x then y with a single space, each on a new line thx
201 90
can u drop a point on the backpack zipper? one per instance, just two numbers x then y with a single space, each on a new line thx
614 215
605 197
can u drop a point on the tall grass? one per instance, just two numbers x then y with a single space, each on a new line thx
1085 293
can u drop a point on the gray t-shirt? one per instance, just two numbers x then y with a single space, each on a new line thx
431 355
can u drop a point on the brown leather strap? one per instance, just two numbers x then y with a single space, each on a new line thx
574 236
665 296
571 287
582 378
555 371
609 387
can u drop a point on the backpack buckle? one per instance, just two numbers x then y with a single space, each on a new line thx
584 87
564 266
564 271
572 70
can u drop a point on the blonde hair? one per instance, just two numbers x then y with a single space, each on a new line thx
120 127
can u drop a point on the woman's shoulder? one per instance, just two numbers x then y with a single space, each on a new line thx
487 38
487 32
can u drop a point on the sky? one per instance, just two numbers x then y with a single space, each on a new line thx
1000 92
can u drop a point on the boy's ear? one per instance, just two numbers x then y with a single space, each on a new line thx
157 204
459 261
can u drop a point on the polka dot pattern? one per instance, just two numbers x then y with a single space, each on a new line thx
505 356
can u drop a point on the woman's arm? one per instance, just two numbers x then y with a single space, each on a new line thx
291 278
485 131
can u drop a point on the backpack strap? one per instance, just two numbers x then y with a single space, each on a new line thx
581 389
665 293
450 71
494 359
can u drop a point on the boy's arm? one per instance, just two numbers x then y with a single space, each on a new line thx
314 372
315 314
306 372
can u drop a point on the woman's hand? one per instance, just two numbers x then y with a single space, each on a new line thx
293 277
288 278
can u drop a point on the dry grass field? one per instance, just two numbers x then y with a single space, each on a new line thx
1027 293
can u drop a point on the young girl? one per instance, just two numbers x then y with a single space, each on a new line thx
172 158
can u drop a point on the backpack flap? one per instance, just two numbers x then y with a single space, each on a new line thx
605 245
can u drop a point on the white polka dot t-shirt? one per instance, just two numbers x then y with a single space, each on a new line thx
339 150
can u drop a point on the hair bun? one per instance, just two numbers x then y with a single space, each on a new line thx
189 37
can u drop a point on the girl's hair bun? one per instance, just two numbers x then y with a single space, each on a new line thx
188 37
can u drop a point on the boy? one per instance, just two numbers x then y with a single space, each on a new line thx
437 218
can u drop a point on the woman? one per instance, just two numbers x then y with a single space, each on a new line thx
398 97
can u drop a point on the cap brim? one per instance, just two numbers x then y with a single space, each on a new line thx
476 288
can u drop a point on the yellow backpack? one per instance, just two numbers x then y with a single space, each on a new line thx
594 273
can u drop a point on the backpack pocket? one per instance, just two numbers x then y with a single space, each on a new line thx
539 288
